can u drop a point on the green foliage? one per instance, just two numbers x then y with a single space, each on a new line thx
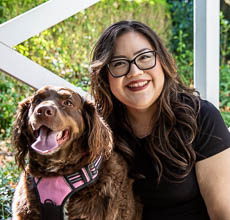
224 40
13 8
181 42
11 93
225 87
226 117
8 179
225 68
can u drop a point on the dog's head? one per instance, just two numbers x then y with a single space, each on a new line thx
59 128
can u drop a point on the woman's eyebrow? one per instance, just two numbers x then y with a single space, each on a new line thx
141 50
137 52
116 57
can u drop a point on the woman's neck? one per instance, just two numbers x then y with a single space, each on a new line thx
141 121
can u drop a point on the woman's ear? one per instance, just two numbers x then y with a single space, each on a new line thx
20 136
98 132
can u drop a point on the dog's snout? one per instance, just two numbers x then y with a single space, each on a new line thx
47 111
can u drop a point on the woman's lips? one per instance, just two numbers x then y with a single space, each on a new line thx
138 85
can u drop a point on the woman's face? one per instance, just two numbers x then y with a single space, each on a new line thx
139 89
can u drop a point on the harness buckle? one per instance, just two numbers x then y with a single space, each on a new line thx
90 167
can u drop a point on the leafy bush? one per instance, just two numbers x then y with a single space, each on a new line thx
225 88
11 93
181 42
224 40
12 8
225 68
8 179
226 116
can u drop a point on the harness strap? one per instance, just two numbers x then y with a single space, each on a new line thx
57 189
85 176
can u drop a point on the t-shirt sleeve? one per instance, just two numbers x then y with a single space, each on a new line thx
213 135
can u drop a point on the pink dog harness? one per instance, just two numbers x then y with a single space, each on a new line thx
53 192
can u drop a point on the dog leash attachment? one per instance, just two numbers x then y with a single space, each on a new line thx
51 211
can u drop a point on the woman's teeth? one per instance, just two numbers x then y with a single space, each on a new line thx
140 84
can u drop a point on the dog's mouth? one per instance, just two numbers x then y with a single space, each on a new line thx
48 140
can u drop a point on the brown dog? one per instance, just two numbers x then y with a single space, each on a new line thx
72 172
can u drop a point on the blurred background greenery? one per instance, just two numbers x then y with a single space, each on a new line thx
65 49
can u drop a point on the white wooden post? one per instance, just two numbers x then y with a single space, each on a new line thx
206 49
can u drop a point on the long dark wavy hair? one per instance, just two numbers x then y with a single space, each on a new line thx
175 128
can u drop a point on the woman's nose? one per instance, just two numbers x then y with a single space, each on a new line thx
134 70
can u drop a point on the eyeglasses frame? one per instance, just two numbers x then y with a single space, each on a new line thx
133 61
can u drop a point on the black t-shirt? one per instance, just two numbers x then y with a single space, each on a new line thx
181 201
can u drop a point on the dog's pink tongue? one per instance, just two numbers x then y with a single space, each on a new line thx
46 140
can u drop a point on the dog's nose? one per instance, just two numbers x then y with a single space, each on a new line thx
47 111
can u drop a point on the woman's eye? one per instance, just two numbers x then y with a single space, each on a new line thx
143 57
68 103
119 64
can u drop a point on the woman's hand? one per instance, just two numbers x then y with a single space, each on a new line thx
213 176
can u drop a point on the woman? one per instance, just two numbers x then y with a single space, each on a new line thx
175 143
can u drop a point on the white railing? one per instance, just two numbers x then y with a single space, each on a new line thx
28 71
40 18
26 25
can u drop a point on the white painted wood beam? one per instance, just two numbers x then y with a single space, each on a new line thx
40 18
206 49
29 72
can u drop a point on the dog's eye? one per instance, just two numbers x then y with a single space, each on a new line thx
68 103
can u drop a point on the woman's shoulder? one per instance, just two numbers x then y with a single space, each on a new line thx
207 107
209 113
213 135
201 106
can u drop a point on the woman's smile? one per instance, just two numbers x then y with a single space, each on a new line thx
138 85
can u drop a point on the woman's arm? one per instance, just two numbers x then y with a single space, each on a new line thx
213 176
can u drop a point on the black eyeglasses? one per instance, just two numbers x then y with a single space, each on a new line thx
121 67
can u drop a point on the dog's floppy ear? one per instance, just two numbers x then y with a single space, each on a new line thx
98 132
20 134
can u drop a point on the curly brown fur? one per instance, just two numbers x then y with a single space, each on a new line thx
84 136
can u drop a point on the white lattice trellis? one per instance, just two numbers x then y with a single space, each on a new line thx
26 25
